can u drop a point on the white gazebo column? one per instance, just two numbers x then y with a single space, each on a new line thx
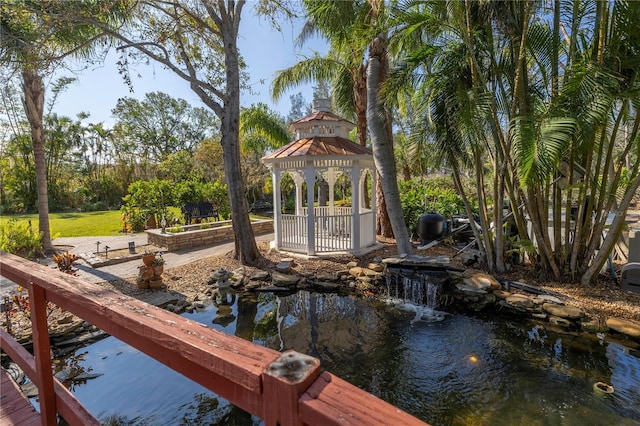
355 207
297 180
277 206
310 179
331 180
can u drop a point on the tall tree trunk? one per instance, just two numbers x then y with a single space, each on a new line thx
34 107
382 148
246 249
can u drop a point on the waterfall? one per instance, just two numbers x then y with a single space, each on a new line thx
415 292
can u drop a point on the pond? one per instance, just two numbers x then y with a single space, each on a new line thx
461 370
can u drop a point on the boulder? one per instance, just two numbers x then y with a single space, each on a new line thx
563 311
279 279
520 301
501 294
375 267
563 322
352 265
259 275
480 280
624 326
356 271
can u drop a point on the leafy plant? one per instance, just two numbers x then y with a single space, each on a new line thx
158 260
20 238
65 262
175 229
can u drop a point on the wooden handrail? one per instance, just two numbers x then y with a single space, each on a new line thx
282 388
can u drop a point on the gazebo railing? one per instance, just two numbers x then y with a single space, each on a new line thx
294 232
326 211
333 233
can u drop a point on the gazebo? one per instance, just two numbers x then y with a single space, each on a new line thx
321 154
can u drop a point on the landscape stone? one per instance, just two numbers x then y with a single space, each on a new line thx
520 301
375 267
356 271
470 289
624 326
259 275
560 321
502 294
593 326
563 311
480 280
279 279
352 265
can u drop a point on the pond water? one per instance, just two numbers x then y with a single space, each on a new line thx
461 370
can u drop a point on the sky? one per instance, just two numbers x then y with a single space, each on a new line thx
264 49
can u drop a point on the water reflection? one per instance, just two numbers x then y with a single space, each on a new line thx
462 370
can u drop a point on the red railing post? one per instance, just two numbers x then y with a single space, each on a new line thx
284 380
42 353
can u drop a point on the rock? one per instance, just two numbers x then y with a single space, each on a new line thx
563 311
274 289
83 338
352 265
593 326
371 273
279 279
501 294
259 276
356 271
624 326
376 267
550 299
427 262
560 321
470 257
538 315
252 285
283 267
365 280
470 289
480 280
65 319
326 276
519 301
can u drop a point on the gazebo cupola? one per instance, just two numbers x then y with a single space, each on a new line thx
321 154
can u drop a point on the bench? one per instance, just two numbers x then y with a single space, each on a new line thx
193 211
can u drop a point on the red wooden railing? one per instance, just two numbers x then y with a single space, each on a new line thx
282 388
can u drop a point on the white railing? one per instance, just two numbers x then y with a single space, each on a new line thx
326 211
294 232
367 230
333 233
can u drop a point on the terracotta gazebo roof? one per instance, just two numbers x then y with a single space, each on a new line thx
320 116
318 146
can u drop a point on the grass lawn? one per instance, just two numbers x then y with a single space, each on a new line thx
77 224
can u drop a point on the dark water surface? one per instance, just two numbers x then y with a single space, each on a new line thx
459 371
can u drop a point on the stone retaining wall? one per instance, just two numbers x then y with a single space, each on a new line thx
196 237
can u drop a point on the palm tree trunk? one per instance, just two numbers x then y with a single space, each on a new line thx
34 107
382 148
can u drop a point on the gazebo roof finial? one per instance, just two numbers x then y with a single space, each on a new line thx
321 105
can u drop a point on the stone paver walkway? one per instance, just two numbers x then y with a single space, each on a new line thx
78 245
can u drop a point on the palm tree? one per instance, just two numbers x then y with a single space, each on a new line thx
348 28
548 138
35 37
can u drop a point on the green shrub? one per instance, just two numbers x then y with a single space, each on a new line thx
175 229
20 238
419 196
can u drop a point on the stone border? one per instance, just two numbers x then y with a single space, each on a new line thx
196 237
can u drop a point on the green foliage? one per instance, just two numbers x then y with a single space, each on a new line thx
198 192
147 200
175 229
419 196
20 238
